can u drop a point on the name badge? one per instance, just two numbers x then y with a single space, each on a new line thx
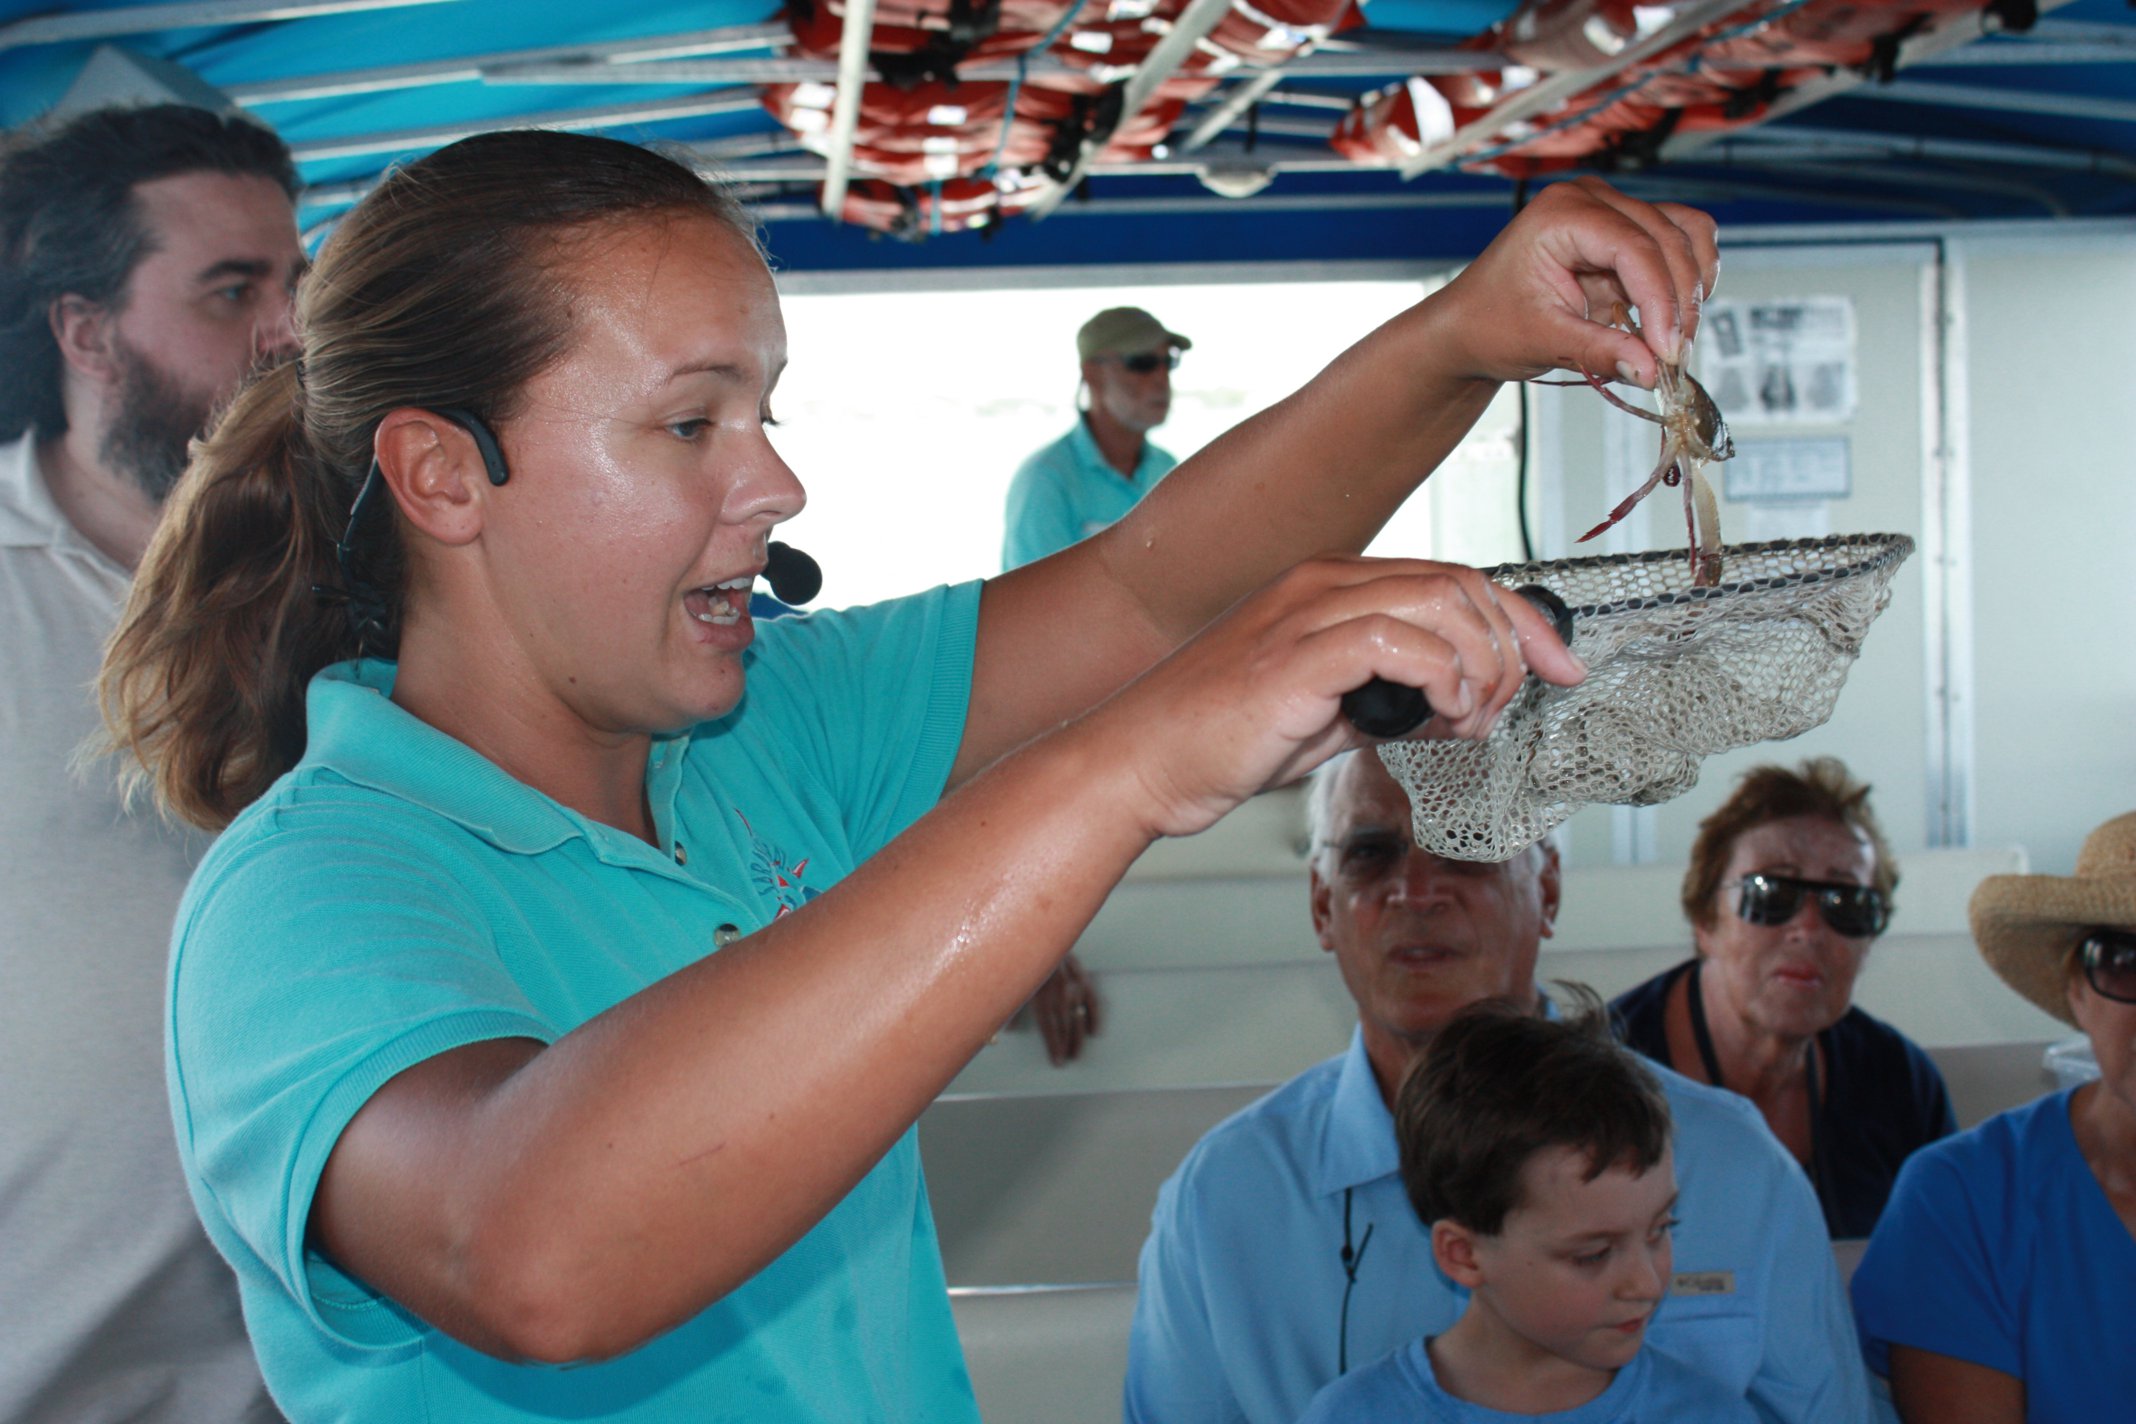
1704 1283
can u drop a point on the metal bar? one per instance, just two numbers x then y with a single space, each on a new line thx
845 109
1411 201
607 116
1302 99
2010 101
1939 179
1547 94
755 69
1391 63
535 70
712 154
1949 150
1273 126
1233 105
192 14
1200 17
2016 53
390 77
2079 32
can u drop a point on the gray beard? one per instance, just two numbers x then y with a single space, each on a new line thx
147 439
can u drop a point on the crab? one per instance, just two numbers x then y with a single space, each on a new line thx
1693 435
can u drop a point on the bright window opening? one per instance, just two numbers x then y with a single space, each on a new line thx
905 414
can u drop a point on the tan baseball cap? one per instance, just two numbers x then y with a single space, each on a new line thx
1119 329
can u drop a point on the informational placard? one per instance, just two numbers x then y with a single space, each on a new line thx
1772 470
1784 488
1786 361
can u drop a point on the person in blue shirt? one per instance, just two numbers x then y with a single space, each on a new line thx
1284 1252
547 1027
1999 1286
1100 469
1537 1155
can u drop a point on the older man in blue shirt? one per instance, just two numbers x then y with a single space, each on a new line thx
1097 472
1284 1252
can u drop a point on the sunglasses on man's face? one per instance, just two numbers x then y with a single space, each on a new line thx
2110 963
1856 911
1142 363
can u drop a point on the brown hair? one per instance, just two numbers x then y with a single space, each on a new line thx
1498 1085
439 289
1821 786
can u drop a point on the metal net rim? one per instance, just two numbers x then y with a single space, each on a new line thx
1883 551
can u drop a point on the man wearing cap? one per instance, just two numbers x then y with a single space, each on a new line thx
1096 472
2000 1283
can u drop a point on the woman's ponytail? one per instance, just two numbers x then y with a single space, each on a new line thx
204 680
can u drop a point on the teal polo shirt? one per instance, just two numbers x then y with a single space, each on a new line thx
1066 492
396 895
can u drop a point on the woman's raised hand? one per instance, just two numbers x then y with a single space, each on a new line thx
1540 296
1255 700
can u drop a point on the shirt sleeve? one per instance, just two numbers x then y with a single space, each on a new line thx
874 699
1040 518
1929 1276
1174 1374
316 957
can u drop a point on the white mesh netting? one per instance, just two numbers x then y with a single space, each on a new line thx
1674 674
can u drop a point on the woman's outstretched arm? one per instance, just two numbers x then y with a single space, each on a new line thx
1322 471
574 1200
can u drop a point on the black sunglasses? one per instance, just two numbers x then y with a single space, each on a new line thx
2110 964
1144 362
1856 911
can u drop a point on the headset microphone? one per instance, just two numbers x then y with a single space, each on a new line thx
794 576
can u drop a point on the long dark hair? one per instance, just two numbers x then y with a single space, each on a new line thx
439 289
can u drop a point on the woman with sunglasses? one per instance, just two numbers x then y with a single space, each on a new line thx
2000 1284
1789 885
578 955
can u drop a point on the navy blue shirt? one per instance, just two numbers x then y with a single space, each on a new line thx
1883 1099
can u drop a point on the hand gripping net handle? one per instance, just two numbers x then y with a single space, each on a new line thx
1675 673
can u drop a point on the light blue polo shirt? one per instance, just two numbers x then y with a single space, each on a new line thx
1652 1389
1066 492
1240 1314
397 895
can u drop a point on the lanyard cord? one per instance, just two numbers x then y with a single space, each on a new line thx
1351 1260
1703 1037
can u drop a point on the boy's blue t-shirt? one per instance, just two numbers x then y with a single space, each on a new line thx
2000 1248
1651 1389
396 895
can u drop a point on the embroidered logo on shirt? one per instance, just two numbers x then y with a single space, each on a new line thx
776 875
1703 1283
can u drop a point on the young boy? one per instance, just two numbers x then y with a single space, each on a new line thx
1538 1152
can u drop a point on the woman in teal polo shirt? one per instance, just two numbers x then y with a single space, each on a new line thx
578 955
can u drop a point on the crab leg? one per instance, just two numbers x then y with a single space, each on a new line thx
1706 530
1602 389
1668 462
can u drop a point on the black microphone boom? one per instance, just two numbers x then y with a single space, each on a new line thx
794 576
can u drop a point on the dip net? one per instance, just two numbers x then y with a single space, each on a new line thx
1675 673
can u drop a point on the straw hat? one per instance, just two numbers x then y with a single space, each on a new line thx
2026 925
